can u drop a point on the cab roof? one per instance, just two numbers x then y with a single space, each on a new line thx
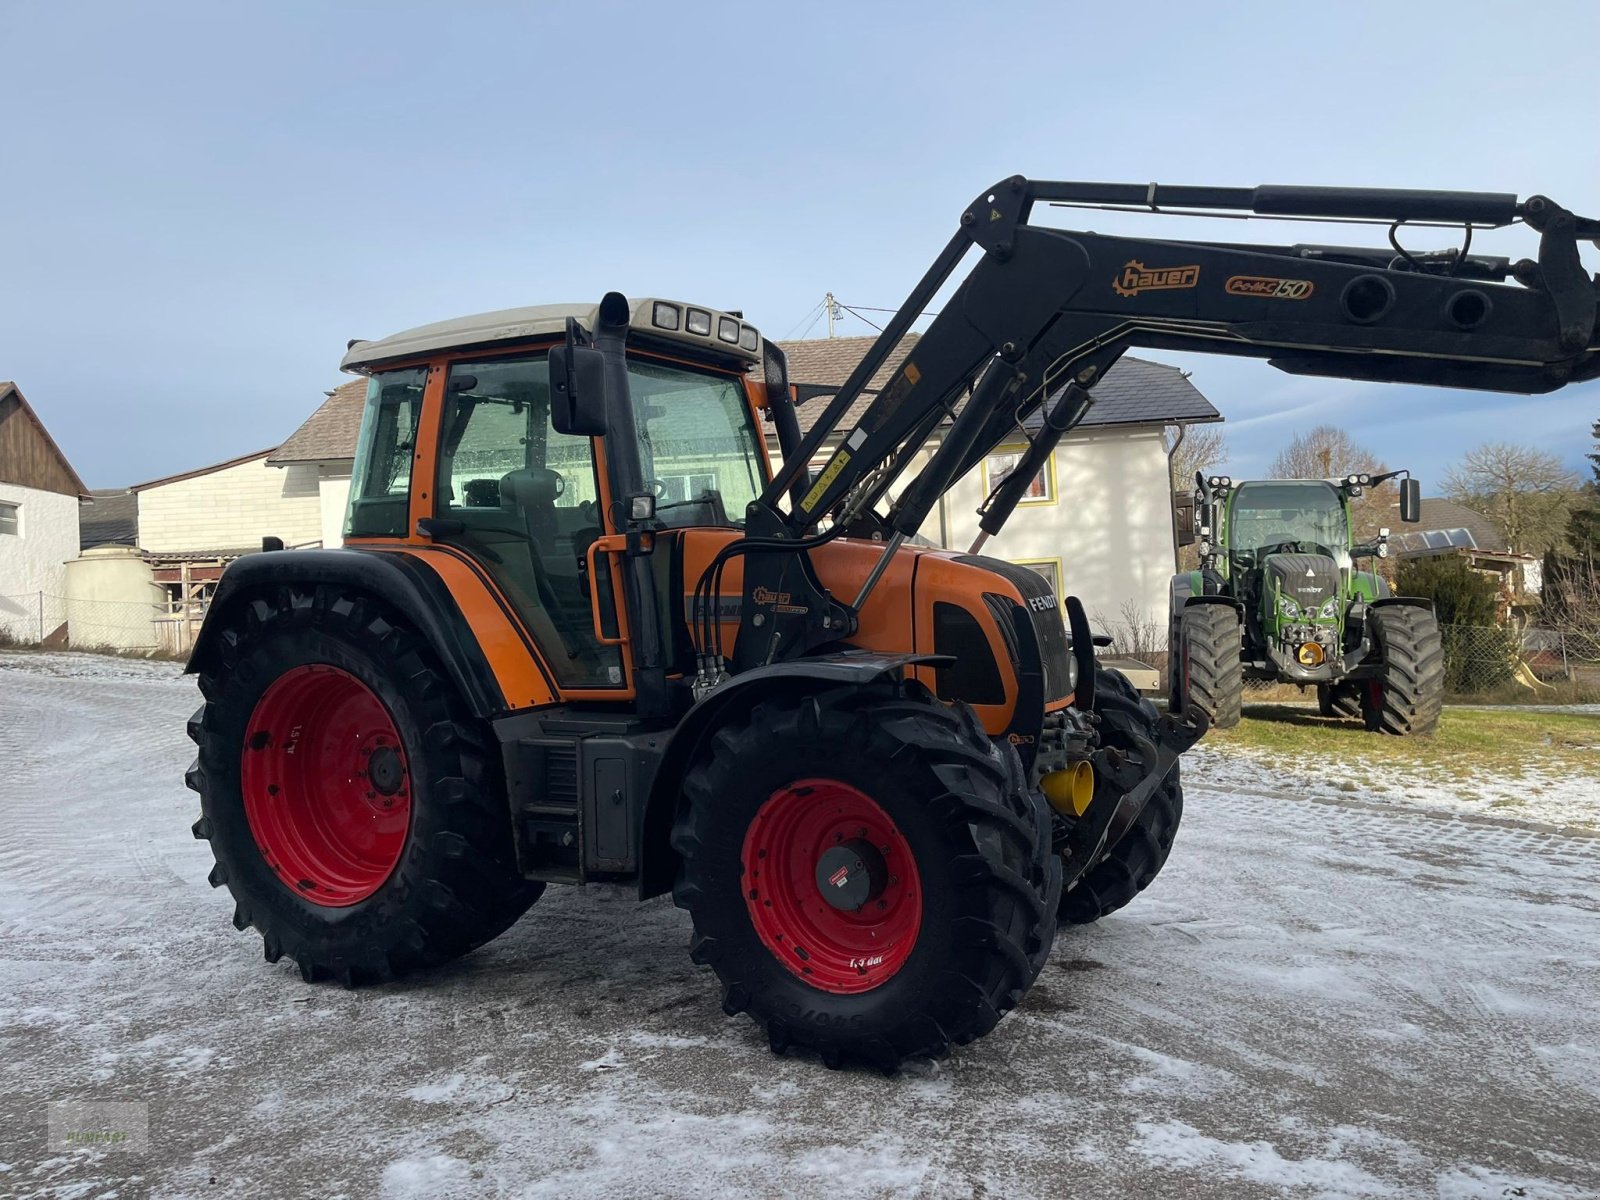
649 316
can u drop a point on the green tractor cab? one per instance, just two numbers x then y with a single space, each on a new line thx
1278 597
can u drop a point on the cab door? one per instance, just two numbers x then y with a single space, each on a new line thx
525 502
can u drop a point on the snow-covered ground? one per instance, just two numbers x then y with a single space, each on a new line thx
1316 998
1544 794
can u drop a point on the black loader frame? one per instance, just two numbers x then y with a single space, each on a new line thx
1045 312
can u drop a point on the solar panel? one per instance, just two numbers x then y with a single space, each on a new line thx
1423 542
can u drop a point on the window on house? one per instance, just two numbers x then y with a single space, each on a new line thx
1042 489
10 518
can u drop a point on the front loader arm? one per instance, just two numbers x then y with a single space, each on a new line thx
1045 312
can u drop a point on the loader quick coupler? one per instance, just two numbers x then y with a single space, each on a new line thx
1125 783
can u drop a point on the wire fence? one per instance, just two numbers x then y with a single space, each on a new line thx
157 627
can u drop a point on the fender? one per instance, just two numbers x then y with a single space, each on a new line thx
401 581
845 668
1409 601
1229 601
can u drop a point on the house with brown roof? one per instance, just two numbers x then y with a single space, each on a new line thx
40 495
1097 520
324 447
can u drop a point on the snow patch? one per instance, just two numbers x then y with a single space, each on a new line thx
1182 1147
426 1177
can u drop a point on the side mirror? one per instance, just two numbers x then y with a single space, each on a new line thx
577 386
1183 519
1410 500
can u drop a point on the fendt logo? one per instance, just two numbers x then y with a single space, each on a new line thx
1266 287
1136 278
1042 603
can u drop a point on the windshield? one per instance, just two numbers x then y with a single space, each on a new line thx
1268 514
698 445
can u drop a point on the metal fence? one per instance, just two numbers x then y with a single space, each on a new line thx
116 626
1488 658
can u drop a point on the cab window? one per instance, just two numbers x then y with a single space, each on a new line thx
527 499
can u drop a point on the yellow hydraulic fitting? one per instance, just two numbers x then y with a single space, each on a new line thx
1070 789
1310 655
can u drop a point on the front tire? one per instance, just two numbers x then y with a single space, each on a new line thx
1208 672
1407 695
352 803
910 796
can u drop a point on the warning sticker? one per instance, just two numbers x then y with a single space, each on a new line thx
829 474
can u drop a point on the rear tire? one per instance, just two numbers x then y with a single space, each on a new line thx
950 810
448 882
1406 697
1209 673
1129 866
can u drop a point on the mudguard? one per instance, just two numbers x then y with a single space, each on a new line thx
398 580
1409 601
846 668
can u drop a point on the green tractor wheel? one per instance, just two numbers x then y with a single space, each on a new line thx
1408 692
1207 671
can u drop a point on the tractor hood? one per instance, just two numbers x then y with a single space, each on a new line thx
1302 587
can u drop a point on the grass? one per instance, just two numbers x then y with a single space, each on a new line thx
1467 741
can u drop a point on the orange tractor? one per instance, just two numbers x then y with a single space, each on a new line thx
581 630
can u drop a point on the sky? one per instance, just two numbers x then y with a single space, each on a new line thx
200 204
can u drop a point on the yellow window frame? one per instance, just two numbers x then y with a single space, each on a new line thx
1049 472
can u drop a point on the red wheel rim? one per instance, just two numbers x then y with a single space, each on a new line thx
831 949
327 788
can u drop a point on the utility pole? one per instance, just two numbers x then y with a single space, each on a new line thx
832 305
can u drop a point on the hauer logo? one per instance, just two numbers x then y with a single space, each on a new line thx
1268 287
1136 278
1046 603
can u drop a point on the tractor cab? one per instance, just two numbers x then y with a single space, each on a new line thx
1287 543
512 478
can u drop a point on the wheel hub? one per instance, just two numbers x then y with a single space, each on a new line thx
851 874
384 770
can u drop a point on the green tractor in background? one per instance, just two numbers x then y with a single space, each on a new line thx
1277 597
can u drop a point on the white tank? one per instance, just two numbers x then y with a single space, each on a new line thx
113 601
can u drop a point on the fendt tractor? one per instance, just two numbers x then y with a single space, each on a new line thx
1278 597
581 631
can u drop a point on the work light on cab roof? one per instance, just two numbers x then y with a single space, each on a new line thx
672 323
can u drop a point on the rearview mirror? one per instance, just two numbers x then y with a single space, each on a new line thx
1411 500
577 386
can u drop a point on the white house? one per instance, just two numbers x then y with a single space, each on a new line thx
1097 521
190 526
39 498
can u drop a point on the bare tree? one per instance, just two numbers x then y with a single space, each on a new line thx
1326 452
1572 604
1527 492
1202 447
